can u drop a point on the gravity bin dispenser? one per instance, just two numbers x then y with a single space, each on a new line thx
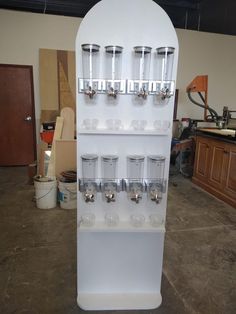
126 71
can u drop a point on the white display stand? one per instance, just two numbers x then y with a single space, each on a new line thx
120 267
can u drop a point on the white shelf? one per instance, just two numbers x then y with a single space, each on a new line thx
122 226
124 132
119 301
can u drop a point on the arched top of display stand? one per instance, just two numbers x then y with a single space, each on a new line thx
124 23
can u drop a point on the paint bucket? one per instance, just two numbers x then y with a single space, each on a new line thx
45 192
68 194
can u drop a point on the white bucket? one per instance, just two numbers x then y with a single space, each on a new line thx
46 193
68 195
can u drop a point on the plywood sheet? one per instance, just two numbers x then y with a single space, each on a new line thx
57 79
65 156
48 79
68 131
71 73
49 115
66 98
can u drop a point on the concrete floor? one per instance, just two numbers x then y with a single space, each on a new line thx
38 252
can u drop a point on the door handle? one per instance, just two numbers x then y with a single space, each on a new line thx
28 118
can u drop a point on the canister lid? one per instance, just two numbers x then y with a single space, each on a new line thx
114 49
156 158
110 157
165 50
142 49
135 157
89 157
90 47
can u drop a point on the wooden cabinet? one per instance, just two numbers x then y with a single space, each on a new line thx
202 159
230 173
215 168
217 164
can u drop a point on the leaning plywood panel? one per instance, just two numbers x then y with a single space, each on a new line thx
48 79
65 156
68 132
57 136
57 79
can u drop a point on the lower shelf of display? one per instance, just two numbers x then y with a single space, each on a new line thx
121 227
119 301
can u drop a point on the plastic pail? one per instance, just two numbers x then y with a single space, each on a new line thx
68 194
46 193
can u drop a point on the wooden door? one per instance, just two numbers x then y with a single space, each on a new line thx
17 117
202 159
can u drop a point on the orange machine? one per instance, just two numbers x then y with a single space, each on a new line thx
200 84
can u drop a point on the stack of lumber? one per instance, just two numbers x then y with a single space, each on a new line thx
63 150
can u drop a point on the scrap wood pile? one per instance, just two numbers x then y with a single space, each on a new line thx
61 158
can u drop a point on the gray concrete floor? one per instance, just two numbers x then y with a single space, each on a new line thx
38 252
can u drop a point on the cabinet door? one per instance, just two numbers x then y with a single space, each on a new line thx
230 171
202 159
217 164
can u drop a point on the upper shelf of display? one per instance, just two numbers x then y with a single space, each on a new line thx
126 68
124 132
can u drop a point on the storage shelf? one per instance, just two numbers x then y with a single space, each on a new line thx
119 301
122 226
125 132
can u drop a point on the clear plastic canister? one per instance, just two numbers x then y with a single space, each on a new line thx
135 165
113 62
89 166
109 166
156 167
142 57
90 61
165 58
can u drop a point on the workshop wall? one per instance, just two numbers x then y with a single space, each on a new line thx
23 34
206 53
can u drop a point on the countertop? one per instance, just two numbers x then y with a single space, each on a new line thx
225 135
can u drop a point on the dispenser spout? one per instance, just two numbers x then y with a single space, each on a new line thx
143 93
155 195
89 197
90 92
112 92
165 93
110 196
135 197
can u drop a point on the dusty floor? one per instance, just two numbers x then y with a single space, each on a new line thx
38 252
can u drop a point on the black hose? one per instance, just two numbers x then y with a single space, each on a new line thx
203 100
212 111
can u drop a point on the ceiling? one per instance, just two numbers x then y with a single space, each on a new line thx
215 16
